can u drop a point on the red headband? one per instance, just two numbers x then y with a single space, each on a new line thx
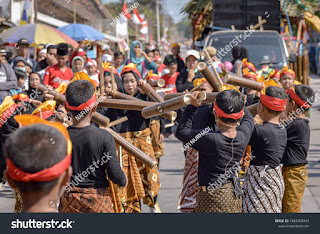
275 104
298 100
249 65
47 174
288 72
128 69
83 105
221 113
251 75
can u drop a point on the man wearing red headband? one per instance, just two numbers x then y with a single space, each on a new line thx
298 139
220 150
38 163
94 155
263 187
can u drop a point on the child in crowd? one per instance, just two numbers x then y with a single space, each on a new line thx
263 188
59 73
294 158
171 77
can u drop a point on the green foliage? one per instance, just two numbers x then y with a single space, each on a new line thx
184 27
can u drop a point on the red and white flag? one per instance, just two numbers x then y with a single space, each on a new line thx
144 27
125 11
136 17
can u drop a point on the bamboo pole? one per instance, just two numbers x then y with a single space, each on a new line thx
234 80
212 80
169 105
118 121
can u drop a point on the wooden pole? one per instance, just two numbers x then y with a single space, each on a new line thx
74 11
212 80
305 60
260 20
101 74
250 84
35 11
113 81
118 121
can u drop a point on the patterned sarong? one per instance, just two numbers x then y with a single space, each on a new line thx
263 190
18 205
155 135
220 200
295 181
86 200
190 185
130 195
149 176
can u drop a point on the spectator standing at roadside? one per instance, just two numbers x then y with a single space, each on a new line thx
59 73
22 50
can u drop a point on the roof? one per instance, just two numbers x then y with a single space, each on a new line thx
87 10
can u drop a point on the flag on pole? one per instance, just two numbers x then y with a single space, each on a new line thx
136 17
144 27
125 11
24 19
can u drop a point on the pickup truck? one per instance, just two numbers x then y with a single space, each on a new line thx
265 47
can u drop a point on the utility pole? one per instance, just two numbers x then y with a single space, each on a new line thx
158 23
74 11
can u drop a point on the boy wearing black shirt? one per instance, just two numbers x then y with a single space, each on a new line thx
264 187
93 156
298 139
220 151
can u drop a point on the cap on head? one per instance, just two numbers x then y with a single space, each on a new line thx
193 53
23 41
62 49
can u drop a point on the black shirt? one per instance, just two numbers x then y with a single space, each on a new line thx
217 153
182 82
298 140
93 152
135 121
268 142
41 65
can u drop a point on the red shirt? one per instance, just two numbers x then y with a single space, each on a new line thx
170 82
54 76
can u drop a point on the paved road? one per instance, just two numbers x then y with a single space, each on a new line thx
171 170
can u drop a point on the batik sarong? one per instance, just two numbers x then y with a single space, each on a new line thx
263 190
149 176
130 195
155 135
295 182
218 200
18 205
190 185
86 200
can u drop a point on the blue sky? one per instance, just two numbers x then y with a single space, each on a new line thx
174 7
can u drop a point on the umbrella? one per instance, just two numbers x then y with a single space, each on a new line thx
37 34
80 32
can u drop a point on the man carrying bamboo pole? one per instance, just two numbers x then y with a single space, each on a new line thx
220 151
93 155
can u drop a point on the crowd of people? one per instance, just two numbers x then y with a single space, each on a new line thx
54 153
